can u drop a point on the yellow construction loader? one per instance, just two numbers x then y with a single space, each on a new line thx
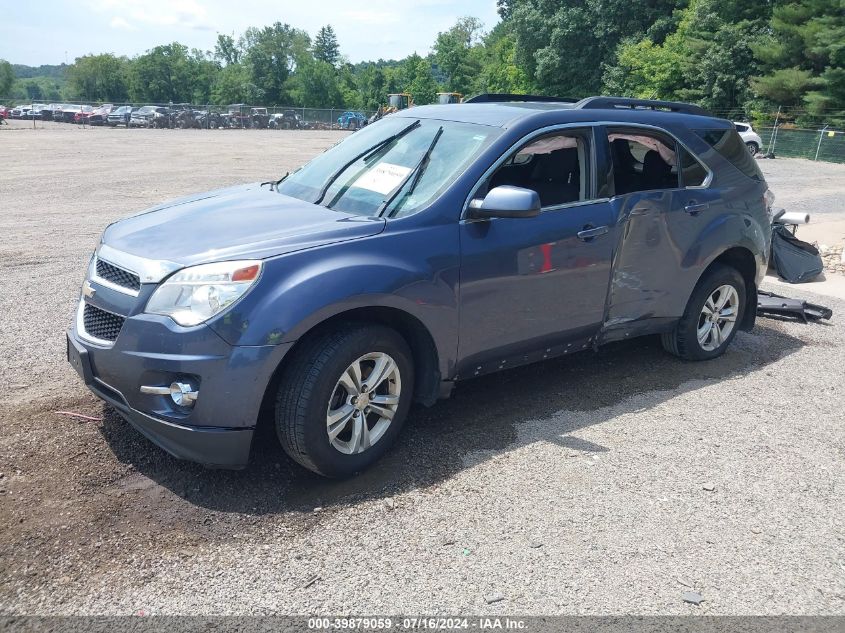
449 97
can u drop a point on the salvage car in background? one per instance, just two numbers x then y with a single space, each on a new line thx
120 116
67 113
47 111
751 139
19 112
351 120
99 115
150 116
83 114
287 120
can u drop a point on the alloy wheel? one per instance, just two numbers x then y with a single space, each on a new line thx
363 403
718 317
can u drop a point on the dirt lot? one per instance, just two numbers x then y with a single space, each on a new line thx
600 483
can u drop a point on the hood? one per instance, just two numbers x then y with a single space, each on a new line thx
244 222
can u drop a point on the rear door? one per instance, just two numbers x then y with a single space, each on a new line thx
662 203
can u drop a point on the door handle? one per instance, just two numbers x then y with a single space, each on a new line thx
694 208
590 232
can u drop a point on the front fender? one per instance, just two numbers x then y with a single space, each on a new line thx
299 291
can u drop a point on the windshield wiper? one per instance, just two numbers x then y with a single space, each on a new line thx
366 154
414 175
275 183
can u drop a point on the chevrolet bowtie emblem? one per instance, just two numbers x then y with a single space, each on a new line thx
88 290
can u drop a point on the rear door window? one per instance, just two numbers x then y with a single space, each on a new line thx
729 144
642 160
693 173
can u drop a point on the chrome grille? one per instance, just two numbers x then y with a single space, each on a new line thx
101 324
118 276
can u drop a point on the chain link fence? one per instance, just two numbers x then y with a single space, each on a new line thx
197 116
788 132
795 132
826 143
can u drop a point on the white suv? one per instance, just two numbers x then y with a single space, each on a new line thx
751 139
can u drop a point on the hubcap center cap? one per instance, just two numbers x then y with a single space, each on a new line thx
361 401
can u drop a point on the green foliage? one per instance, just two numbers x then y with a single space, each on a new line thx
326 48
563 46
804 58
423 87
316 85
271 55
172 74
458 54
735 57
226 50
99 78
7 78
705 58
786 86
500 71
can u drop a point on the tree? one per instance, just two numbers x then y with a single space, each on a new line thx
233 85
315 85
705 58
564 46
372 86
499 70
7 78
226 50
423 87
326 48
99 78
271 54
172 73
804 57
458 53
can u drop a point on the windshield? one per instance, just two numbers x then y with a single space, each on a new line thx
406 172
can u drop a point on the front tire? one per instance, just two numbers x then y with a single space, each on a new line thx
343 398
753 148
712 316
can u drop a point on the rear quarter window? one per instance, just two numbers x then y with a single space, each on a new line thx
729 144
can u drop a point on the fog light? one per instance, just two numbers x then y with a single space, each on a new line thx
182 393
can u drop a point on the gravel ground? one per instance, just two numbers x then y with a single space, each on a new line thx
601 483
805 186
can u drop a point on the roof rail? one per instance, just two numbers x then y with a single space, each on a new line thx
610 103
497 97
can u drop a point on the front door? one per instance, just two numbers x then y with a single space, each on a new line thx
533 288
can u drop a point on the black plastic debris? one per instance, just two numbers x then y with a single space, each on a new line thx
769 304
796 261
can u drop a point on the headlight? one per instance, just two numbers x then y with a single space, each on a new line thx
196 294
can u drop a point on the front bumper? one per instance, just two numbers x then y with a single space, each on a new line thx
152 350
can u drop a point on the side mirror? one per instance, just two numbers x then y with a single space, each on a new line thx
506 201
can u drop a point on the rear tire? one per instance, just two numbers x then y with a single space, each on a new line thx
328 419
712 316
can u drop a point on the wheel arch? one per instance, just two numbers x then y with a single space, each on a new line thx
420 341
743 261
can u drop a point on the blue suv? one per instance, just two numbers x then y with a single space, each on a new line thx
438 244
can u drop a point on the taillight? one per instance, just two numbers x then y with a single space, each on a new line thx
768 203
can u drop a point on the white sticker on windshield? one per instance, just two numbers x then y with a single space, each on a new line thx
382 178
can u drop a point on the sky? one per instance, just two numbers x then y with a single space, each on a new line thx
52 32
